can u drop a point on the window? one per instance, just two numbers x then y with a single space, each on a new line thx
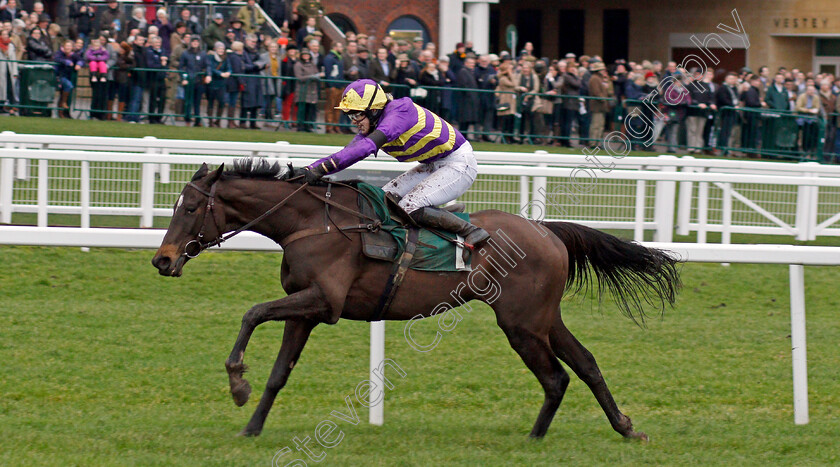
571 32
828 47
616 34
529 27
407 28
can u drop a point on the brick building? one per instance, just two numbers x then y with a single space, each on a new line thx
444 22
788 33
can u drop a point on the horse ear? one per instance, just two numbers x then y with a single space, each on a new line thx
288 173
201 172
217 173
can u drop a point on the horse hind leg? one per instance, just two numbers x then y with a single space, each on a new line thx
537 355
573 353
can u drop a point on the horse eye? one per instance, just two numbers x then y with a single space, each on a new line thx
190 210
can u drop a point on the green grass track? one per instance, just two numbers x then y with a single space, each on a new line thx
107 363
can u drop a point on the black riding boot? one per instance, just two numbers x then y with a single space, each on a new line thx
437 218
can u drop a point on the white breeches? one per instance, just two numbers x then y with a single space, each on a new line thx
436 183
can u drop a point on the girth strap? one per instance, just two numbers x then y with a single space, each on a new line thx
397 275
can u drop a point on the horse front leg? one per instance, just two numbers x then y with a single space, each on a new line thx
295 336
308 304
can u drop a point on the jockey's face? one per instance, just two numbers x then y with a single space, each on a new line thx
361 120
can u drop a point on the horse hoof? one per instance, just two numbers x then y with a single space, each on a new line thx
240 393
247 433
640 435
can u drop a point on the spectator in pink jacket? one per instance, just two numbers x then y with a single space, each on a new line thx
97 58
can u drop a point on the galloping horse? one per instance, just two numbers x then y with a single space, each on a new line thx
327 277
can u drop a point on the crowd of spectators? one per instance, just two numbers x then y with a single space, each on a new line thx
137 65
146 66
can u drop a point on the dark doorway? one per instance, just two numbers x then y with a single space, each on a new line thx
571 32
342 22
496 34
528 25
616 34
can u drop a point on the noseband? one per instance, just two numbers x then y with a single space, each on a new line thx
194 248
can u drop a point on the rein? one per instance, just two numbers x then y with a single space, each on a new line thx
211 202
194 248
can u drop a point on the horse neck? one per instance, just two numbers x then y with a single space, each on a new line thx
247 199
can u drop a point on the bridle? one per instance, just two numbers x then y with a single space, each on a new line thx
198 245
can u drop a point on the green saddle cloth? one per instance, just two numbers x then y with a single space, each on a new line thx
433 252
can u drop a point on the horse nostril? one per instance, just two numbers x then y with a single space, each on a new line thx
161 262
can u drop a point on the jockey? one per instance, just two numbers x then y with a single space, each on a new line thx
409 133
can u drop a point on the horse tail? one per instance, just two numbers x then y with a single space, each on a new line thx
633 274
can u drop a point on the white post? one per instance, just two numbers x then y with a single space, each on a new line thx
22 169
147 189
7 183
538 196
797 335
377 355
524 199
450 26
702 210
43 191
664 206
84 197
164 168
22 165
147 195
803 211
639 226
812 219
684 203
726 232
806 207
281 150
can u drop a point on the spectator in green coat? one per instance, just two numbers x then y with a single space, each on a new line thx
776 96
215 31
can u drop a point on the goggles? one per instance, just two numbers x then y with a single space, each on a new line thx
355 115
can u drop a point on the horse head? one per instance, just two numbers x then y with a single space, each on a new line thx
195 223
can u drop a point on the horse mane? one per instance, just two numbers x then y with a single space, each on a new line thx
254 167
261 169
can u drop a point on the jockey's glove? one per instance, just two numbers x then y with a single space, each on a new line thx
310 174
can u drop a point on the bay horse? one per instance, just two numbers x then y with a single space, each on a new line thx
326 277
